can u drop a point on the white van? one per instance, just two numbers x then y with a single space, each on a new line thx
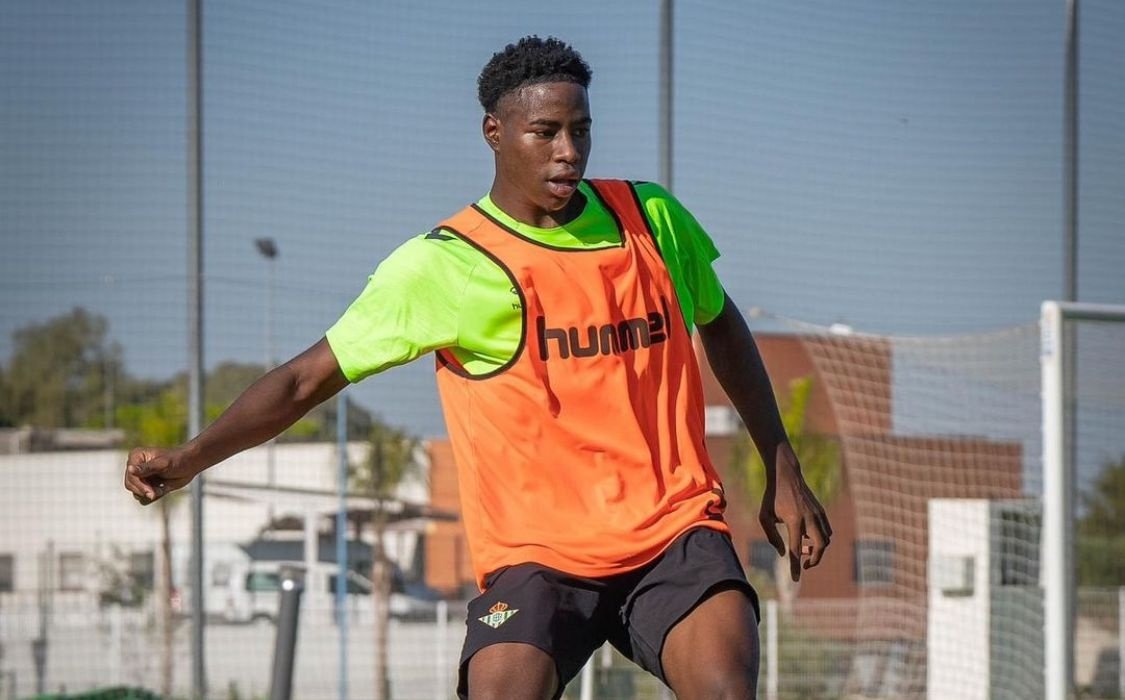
241 590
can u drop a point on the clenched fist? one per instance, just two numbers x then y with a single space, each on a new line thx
152 473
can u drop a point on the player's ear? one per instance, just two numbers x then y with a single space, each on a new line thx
490 128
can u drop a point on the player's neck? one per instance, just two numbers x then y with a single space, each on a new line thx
527 212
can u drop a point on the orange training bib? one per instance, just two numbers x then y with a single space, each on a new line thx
585 452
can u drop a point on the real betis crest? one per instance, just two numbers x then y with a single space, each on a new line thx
497 615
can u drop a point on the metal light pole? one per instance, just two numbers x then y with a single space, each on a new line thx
1070 155
194 142
267 247
342 539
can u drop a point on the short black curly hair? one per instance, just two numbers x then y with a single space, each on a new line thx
529 61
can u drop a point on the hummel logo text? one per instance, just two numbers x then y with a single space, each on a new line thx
607 339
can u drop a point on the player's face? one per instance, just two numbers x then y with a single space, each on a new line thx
541 137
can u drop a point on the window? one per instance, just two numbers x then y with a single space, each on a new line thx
72 571
7 573
763 557
142 570
874 562
260 581
354 587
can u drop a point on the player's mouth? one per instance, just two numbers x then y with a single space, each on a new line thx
562 187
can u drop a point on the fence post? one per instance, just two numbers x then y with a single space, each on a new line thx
115 644
1121 641
771 650
441 643
285 648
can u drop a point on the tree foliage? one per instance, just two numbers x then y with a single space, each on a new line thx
66 372
819 455
160 422
1101 528
61 373
389 461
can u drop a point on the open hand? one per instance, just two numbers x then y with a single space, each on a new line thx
152 473
788 501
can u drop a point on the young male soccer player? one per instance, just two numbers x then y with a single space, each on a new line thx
560 312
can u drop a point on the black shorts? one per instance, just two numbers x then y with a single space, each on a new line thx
569 617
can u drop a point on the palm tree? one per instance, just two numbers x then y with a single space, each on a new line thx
820 465
389 462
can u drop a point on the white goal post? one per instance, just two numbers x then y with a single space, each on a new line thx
1057 359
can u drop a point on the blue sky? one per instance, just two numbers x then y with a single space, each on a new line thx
896 166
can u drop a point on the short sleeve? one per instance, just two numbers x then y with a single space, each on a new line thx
688 252
408 308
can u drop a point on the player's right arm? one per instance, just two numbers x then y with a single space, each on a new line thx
267 407
410 306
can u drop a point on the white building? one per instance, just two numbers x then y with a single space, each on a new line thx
67 523
985 607
66 516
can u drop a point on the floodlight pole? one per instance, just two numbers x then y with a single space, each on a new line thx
1070 155
267 248
194 138
1121 640
1060 416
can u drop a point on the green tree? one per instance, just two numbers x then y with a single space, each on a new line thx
1101 528
158 422
228 379
62 373
390 460
820 464
360 420
222 386
65 372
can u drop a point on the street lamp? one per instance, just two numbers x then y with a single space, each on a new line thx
267 247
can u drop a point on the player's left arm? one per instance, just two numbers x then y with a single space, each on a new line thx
737 364
689 253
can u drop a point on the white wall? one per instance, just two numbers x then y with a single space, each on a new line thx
957 628
983 637
77 502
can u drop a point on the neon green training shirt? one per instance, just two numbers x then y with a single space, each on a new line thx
436 291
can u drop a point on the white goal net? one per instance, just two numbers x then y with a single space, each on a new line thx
942 517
